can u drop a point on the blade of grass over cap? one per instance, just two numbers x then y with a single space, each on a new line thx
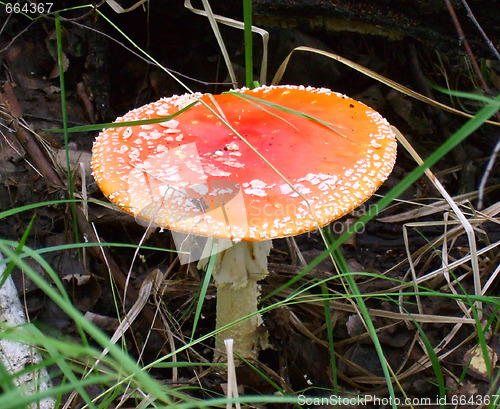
284 109
110 125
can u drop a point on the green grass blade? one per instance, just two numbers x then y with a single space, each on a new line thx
128 365
342 267
22 242
481 339
109 125
6 379
373 333
72 246
71 187
184 364
259 102
329 329
436 366
466 95
31 206
247 18
203 289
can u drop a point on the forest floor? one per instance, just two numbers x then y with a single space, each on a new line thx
412 239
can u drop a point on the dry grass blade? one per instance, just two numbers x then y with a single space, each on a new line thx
238 25
399 316
413 275
119 9
213 19
232 383
374 75
31 142
444 264
424 362
491 279
451 234
453 265
152 280
429 209
465 223
489 168
421 318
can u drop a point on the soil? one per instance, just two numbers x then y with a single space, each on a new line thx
105 76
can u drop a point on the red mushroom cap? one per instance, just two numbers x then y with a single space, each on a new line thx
321 156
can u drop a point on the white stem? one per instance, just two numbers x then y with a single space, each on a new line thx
237 271
233 304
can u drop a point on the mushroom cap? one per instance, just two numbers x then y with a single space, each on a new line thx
251 165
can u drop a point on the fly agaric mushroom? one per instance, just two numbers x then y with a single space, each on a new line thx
246 166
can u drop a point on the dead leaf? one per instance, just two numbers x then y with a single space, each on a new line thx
55 71
355 326
84 290
102 321
80 279
477 365
75 158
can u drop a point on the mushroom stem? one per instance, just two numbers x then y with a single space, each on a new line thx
233 304
237 271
